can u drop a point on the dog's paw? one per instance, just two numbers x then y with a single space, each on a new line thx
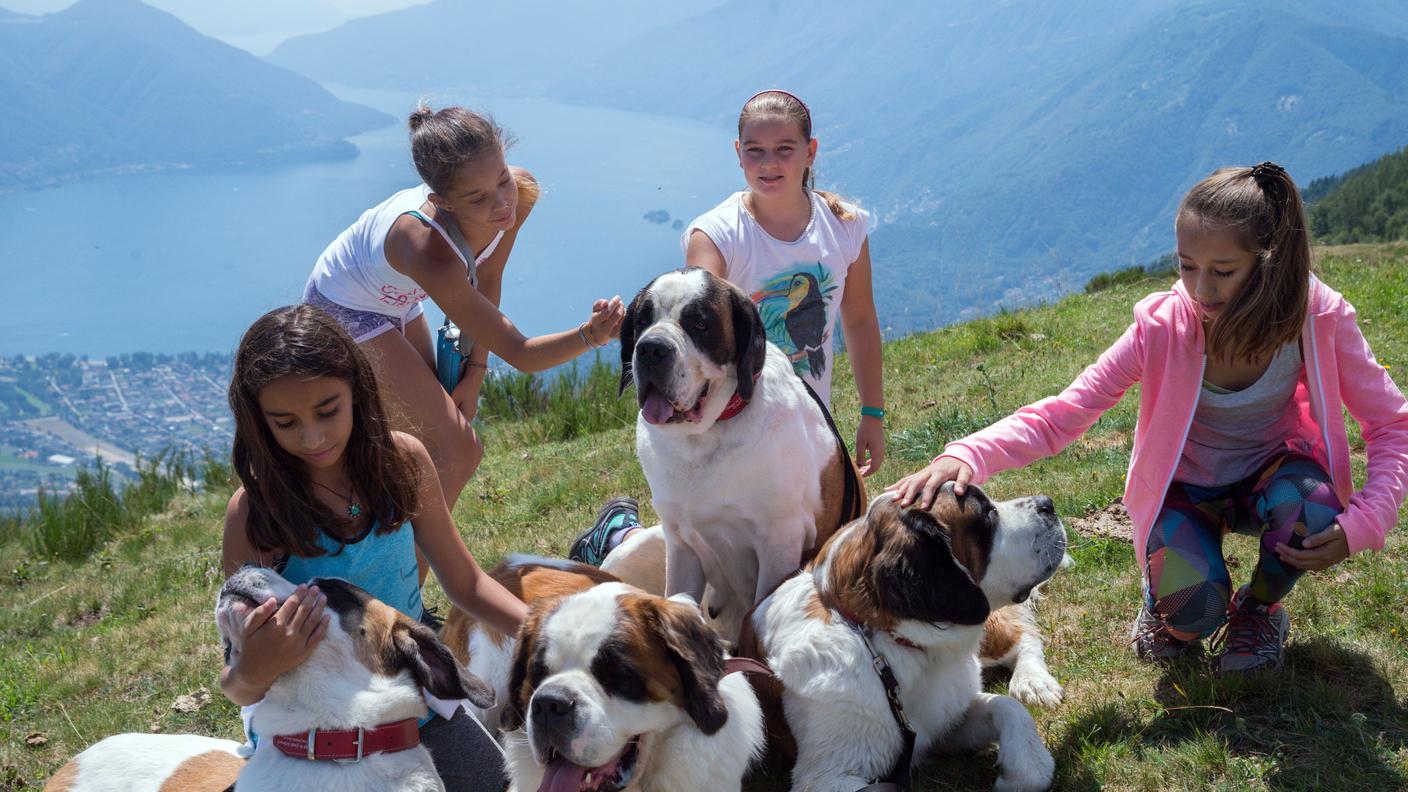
1035 688
1032 773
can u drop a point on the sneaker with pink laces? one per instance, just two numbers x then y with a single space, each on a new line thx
1254 636
1152 640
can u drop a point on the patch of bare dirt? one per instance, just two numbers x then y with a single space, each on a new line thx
83 618
1111 522
193 702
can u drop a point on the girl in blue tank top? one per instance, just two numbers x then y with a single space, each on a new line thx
329 490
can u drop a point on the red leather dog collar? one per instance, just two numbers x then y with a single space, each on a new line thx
350 745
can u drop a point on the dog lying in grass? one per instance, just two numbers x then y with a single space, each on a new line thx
346 719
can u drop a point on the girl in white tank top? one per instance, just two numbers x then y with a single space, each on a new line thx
447 240
353 271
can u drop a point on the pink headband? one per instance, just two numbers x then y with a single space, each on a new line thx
795 98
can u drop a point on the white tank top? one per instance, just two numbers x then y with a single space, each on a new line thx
353 270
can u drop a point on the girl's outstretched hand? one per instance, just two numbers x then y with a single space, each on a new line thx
605 323
274 638
870 445
1319 551
918 489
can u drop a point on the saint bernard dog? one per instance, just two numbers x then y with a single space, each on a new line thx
610 688
358 695
745 470
916 589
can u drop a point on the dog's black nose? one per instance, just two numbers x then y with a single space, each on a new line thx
551 708
1044 505
653 349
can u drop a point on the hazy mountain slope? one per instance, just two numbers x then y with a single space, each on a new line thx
1006 144
495 46
115 84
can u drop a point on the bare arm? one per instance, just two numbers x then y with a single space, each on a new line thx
704 254
491 281
862 330
467 586
428 260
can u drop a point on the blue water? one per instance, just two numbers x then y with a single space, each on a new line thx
185 260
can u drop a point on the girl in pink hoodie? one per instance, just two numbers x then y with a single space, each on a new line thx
1245 364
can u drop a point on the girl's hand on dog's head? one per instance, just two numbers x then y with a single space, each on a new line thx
276 638
918 489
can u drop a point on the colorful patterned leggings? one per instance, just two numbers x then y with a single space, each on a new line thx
1186 580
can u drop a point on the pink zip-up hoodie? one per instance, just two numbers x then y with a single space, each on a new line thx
1163 349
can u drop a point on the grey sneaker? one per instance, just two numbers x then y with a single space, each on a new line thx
615 519
1152 641
1254 636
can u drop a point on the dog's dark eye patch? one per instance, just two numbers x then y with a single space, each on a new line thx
700 320
617 673
344 599
645 314
537 668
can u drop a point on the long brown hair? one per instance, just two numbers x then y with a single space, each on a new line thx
782 103
284 516
1263 207
444 140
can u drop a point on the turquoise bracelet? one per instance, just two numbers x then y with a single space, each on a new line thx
873 412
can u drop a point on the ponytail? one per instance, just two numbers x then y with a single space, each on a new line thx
442 141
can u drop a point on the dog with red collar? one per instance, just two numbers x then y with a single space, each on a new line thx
346 719
745 468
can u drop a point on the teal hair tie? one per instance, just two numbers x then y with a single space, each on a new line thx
873 412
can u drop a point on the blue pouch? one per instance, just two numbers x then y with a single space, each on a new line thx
449 359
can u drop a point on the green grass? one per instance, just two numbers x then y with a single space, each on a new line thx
104 644
34 401
71 526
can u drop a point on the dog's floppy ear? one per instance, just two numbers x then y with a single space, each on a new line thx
638 314
512 714
749 340
430 662
698 657
925 581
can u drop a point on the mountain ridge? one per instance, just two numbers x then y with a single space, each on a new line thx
115 85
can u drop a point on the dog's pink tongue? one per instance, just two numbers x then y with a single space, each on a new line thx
657 409
563 776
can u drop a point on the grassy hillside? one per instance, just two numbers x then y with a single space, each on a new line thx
108 644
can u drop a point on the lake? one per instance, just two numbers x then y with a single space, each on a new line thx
186 260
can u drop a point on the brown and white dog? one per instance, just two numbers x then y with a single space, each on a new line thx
744 470
610 688
923 585
368 671
488 653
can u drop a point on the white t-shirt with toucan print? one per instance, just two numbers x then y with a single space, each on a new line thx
796 285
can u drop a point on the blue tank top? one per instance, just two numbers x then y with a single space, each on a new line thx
384 565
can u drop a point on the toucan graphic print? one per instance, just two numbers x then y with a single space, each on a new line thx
794 307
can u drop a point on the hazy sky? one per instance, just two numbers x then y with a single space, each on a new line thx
255 25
